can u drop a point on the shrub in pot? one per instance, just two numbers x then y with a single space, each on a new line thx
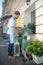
37 51
29 47
35 47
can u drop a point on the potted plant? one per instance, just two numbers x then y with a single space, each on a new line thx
32 27
36 48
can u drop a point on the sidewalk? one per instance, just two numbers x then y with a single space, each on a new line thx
4 57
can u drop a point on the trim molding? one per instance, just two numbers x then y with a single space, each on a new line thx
40 33
36 34
39 16
39 7
39 24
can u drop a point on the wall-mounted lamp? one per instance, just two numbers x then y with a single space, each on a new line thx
27 2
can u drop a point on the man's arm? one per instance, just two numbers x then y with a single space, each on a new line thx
12 25
16 29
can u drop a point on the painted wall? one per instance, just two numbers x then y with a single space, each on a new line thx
25 7
39 19
27 14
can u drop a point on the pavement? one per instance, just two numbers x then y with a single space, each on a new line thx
4 56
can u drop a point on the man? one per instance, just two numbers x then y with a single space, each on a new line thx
12 30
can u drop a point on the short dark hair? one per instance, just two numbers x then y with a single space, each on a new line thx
17 12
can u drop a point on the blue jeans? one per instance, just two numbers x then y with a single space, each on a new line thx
10 49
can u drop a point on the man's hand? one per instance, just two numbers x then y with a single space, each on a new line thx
17 31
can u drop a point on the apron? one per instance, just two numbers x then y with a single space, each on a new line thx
12 33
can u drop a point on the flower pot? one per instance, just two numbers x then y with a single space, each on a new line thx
32 37
37 59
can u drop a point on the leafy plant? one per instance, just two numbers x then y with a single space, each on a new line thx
32 27
20 34
36 48
29 46
19 37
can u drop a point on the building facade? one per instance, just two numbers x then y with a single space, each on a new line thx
31 11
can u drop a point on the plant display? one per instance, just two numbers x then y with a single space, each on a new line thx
29 46
32 27
35 47
19 34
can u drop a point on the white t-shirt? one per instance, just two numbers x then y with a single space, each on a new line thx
12 22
